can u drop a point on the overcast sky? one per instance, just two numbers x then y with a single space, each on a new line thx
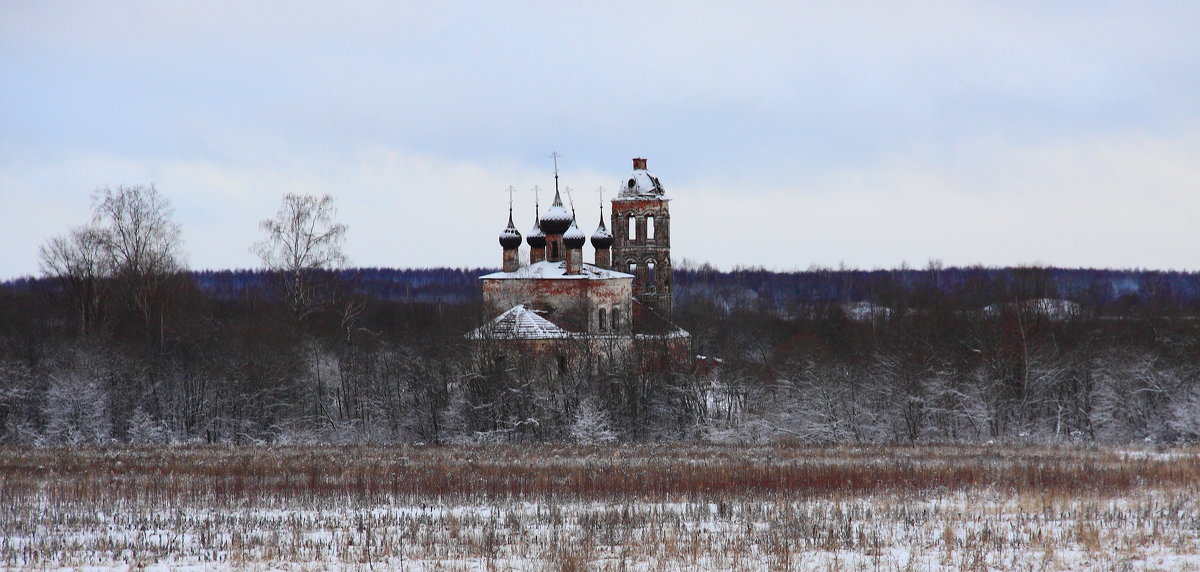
788 134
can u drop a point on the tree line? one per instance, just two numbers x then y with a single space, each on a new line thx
117 341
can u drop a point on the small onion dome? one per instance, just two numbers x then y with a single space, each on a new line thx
536 238
509 237
602 239
574 238
557 219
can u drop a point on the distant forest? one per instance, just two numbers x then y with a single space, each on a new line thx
824 355
1096 290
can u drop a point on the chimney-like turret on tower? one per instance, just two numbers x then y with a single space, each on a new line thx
510 241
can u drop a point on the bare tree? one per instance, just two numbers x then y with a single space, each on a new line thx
80 263
301 241
140 236
143 245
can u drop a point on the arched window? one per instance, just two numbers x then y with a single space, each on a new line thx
602 320
632 235
616 320
650 282
650 227
633 271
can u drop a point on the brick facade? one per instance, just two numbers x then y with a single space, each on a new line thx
646 252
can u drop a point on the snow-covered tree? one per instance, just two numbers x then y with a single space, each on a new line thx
77 410
591 425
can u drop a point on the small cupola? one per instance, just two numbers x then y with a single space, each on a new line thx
602 238
536 238
573 238
602 241
510 239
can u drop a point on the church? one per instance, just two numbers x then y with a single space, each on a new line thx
616 310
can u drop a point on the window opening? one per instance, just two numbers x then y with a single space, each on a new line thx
603 319
650 282
616 320
632 233
650 227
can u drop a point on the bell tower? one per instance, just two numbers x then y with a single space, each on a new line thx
641 229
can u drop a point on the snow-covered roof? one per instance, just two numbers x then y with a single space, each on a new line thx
518 323
509 237
536 230
602 238
641 183
574 237
602 231
556 270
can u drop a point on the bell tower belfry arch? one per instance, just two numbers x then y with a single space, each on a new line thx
641 228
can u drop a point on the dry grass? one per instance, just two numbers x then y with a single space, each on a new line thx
628 507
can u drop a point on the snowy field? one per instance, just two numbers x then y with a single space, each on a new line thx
619 508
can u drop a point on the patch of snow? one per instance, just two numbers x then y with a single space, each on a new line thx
863 311
1052 308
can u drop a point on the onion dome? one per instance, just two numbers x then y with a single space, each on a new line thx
536 238
574 238
602 239
509 237
557 219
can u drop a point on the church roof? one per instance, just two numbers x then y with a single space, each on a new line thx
519 323
558 271
641 183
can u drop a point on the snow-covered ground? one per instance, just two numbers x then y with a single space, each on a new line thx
988 526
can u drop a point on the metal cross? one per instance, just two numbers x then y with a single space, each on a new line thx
510 190
601 191
536 200
554 155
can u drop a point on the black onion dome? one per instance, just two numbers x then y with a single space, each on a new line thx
536 238
557 219
509 237
602 238
574 238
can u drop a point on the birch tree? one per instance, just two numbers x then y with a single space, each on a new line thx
302 240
